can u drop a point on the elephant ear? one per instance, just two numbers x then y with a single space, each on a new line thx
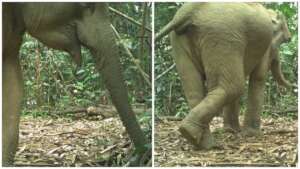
281 17
274 16
274 20
89 5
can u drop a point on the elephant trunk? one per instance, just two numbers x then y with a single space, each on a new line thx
108 62
276 70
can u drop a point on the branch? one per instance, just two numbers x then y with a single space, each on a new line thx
165 72
281 131
291 110
142 33
128 18
20 164
244 165
75 110
170 118
135 61
105 111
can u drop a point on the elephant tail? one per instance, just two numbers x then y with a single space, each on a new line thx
178 24
277 73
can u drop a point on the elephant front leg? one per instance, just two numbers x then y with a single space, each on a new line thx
231 116
255 98
254 106
12 96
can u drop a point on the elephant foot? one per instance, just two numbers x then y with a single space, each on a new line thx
7 164
231 128
140 159
251 127
198 135
250 131
7 160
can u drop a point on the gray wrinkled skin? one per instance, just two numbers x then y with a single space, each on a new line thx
66 27
281 35
216 46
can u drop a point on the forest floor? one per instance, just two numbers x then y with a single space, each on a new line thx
45 141
277 146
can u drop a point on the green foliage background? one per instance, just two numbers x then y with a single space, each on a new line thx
53 82
169 98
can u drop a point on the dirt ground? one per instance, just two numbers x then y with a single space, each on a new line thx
277 146
66 142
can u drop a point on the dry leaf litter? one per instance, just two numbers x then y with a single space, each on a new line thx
66 142
277 146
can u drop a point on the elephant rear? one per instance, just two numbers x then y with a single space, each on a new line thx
242 24
221 44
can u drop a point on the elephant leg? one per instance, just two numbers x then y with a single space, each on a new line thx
105 51
225 80
12 84
231 116
191 78
12 96
255 99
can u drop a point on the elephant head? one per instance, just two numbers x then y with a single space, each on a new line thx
281 34
281 31
67 27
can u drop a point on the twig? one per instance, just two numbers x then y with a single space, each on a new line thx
171 118
281 131
170 96
142 33
61 133
18 164
103 110
128 18
244 165
295 160
285 111
75 110
108 149
165 72
135 61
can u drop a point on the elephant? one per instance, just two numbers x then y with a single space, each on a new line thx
281 34
216 47
65 27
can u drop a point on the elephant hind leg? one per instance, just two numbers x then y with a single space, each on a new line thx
192 81
223 67
195 126
191 78
231 116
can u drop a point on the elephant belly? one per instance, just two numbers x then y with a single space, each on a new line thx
255 52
